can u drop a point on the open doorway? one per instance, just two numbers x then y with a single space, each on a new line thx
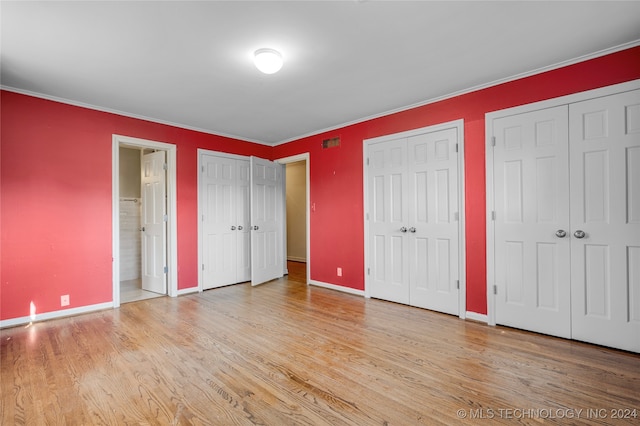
133 204
144 220
297 216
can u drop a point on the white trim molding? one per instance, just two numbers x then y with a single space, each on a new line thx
55 314
293 159
337 287
474 316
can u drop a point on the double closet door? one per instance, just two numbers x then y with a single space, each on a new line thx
242 220
412 219
226 225
567 220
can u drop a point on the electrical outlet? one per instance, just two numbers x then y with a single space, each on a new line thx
339 272
64 300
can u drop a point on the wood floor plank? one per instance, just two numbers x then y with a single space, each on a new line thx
287 353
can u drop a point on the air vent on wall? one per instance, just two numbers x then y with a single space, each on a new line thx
331 143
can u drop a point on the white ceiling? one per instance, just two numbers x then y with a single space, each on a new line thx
189 63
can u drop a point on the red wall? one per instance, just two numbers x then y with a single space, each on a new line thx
55 215
336 182
55 187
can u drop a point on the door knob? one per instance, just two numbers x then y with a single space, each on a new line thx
233 228
579 234
561 233
412 229
256 227
403 229
239 227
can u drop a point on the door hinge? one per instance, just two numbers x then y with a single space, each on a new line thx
495 289
166 269
165 218
367 216
456 216
493 215
458 284
164 166
203 266
367 161
493 141
202 169
456 147
368 271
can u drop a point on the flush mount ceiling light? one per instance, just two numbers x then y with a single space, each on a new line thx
268 61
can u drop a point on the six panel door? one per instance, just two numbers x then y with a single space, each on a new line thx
531 195
605 220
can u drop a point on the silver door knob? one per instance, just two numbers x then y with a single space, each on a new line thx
403 229
256 227
233 228
412 229
239 227
579 234
561 233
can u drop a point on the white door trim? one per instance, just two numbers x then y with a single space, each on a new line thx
172 234
202 152
489 167
286 160
459 125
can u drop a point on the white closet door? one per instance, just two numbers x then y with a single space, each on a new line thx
388 221
154 229
532 244
243 221
605 195
219 245
433 227
267 214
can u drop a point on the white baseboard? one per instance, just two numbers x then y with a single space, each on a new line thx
189 290
297 259
477 317
12 322
337 287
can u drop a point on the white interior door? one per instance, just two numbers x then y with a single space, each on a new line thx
154 219
605 220
433 220
267 220
388 221
243 221
219 247
532 244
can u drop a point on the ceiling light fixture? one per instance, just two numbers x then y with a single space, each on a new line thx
268 61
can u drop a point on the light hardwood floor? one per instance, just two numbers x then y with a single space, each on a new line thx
284 353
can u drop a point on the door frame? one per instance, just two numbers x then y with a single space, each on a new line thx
489 168
172 235
459 126
294 159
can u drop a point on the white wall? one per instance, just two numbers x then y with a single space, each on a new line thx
130 214
296 181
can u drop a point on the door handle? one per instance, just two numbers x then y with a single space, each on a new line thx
403 229
412 229
233 228
579 234
142 229
561 233
256 227
239 227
